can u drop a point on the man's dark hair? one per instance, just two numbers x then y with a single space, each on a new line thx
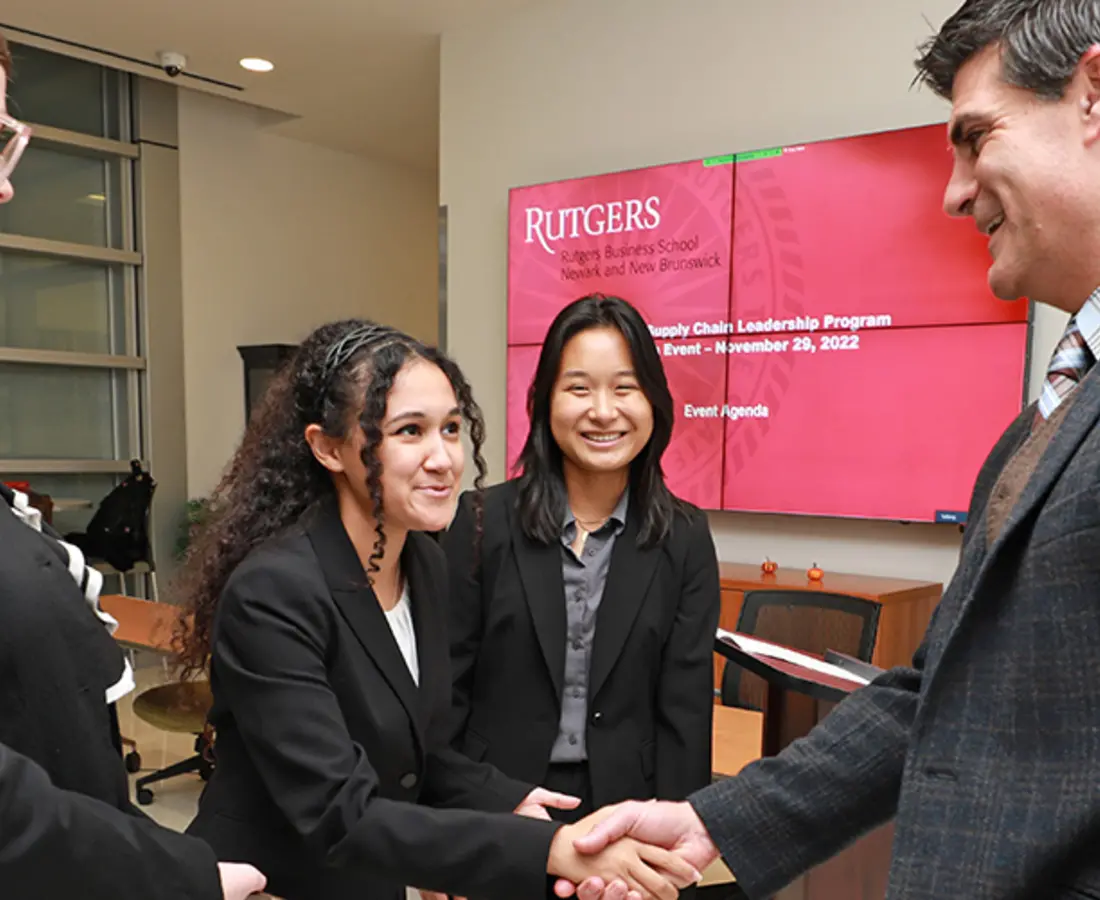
1041 42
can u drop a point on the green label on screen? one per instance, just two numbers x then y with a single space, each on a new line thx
758 154
751 155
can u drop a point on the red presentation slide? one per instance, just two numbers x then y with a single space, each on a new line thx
659 237
833 425
853 232
853 362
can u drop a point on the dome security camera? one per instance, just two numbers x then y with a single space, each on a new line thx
172 63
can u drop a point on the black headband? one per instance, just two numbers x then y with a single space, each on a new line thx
351 343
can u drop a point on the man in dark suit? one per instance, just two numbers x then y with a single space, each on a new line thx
60 669
54 843
60 674
987 749
66 821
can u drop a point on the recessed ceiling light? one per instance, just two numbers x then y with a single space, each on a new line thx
255 64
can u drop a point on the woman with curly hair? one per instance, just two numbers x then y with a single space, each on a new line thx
319 605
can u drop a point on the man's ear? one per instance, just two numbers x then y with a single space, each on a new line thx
325 449
1089 91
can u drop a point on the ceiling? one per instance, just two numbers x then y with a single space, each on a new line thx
357 75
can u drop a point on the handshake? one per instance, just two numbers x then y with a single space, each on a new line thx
631 851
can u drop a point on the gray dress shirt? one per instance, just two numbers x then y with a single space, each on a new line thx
584 577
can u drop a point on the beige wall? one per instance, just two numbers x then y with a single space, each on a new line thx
576 88
278 237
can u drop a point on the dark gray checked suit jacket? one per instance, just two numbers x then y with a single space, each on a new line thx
987 750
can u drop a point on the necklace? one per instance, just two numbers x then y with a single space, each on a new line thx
590 525
585 527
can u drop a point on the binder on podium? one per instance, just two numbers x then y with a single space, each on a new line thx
801 687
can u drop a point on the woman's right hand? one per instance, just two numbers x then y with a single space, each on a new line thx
651 873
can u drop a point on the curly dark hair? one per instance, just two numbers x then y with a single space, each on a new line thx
343 370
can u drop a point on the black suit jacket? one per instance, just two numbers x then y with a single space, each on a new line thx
56 843
987 748
56 663
651 684
333 772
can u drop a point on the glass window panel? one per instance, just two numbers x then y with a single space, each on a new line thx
65 196
57 412
62 92
58 304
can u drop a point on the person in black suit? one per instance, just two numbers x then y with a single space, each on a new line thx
587 595
56 843
320 606
65 810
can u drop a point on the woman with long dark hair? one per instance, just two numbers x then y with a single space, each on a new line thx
586 595
319 605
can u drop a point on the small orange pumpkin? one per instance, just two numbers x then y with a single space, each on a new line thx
815 574
768 566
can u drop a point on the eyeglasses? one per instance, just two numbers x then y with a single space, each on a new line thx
14 136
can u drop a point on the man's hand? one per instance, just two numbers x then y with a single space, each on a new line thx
536 804
642 871
240 881
673 826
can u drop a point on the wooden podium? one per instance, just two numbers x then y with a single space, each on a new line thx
797 698
906 605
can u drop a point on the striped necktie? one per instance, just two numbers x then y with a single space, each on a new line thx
1072 359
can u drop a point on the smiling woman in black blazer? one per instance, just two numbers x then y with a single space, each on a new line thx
586 596
321 610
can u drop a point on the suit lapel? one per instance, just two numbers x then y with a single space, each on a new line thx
628 580
543 585
1079 421
359 606
431 639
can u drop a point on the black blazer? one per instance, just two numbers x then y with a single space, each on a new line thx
329 758
56 843
651 684
56 663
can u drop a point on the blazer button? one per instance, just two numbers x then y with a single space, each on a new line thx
597 716
408 781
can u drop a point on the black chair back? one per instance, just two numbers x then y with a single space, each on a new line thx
812 621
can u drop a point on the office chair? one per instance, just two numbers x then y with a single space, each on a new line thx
812 621
179 707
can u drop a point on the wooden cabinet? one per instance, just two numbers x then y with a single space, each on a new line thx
906 604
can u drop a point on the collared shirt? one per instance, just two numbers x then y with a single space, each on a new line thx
1014 477
584 577
1087 321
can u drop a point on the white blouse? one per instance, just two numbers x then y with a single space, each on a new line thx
401 624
